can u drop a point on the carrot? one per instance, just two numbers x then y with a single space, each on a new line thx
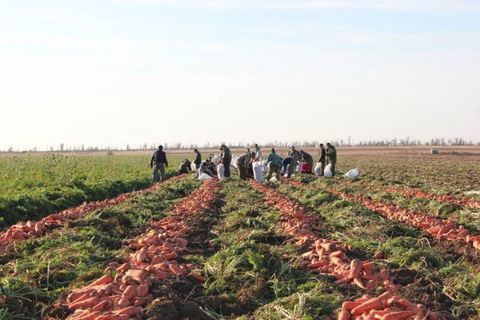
171 255
76 295
344 315
385 296
142 290
162 275
198 276
128 311
349 305
105 279
355 267
87 315
123 302
101 305
408 305
136 275
130 292
398 315
359 283
124 267
338 253
177 269
373 303
83 304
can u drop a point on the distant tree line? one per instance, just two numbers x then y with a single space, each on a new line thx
395 142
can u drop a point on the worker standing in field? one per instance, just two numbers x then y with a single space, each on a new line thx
274 162
198 158
243 163
322 159
308 162
331 154
226 159
158 162
296 156
258 153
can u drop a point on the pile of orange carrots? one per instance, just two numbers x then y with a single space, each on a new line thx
386 306
444 198
442 229
31 229
325 255
329 257
125 288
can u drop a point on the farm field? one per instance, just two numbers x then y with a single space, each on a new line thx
32 186
400 242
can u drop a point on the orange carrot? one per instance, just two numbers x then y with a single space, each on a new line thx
373 303
142 290
130 292
355 267
198 276
105 279
101 305
344 315
83 304
398 315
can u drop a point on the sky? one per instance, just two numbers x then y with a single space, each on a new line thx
117 72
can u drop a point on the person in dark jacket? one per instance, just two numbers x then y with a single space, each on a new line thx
198 158
331 153
285 164
322 159
243 164
207 167
185 166
158 162
296 156
226 159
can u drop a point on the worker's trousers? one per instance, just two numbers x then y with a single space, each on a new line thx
158 172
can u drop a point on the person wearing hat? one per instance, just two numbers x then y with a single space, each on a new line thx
158 163
226 159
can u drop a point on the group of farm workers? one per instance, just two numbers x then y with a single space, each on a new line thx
244 163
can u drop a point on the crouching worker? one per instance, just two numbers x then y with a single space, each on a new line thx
158 162
243 164
308 162
274 164
208 167
185 166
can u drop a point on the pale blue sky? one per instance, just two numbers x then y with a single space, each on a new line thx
112 72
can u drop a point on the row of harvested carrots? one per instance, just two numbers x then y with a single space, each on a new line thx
329 257
126 288
442 229
30 229
442 198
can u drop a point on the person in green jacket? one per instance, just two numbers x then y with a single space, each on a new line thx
296 156
331 153
226 159
308 159
274 164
